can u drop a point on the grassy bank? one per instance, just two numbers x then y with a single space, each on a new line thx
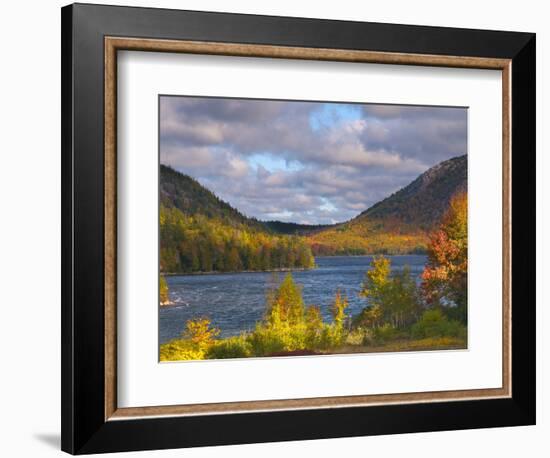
239 347
429 343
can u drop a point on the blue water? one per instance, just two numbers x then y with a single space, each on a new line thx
236 301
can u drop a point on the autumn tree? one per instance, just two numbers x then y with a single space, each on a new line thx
335 334
369 317
314 325
393 298
376 281
338 309
445 277
199 332
286 304
200 243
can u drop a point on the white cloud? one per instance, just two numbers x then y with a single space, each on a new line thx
322 175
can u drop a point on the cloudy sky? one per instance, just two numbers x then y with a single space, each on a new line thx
305 162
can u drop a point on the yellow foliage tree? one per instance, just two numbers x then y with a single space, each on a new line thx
199 332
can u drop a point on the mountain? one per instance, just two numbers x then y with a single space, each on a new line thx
422 203
190 197
400 223
199 232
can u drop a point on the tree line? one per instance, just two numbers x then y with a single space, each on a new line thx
205 244
364 236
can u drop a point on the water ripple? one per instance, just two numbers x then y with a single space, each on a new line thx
236 301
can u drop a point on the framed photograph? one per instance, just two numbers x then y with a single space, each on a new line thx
282 228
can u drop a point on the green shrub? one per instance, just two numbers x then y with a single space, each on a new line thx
232 347
266 340
368 336
384 333
331 336
314 326
433 323
393 297
180 350
197 338
199 333
355 337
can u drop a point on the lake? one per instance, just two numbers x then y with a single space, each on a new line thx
236 301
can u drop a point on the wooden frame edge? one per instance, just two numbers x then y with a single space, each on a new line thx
110 201
291 52
507 227
131 413
112 45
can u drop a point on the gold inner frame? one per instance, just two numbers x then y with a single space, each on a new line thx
114 44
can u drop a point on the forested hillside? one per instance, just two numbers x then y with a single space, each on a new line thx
201 233
190 197
422 203
400 223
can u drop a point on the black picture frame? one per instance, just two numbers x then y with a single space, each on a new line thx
84 428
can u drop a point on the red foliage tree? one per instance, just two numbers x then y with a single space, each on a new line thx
445 277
